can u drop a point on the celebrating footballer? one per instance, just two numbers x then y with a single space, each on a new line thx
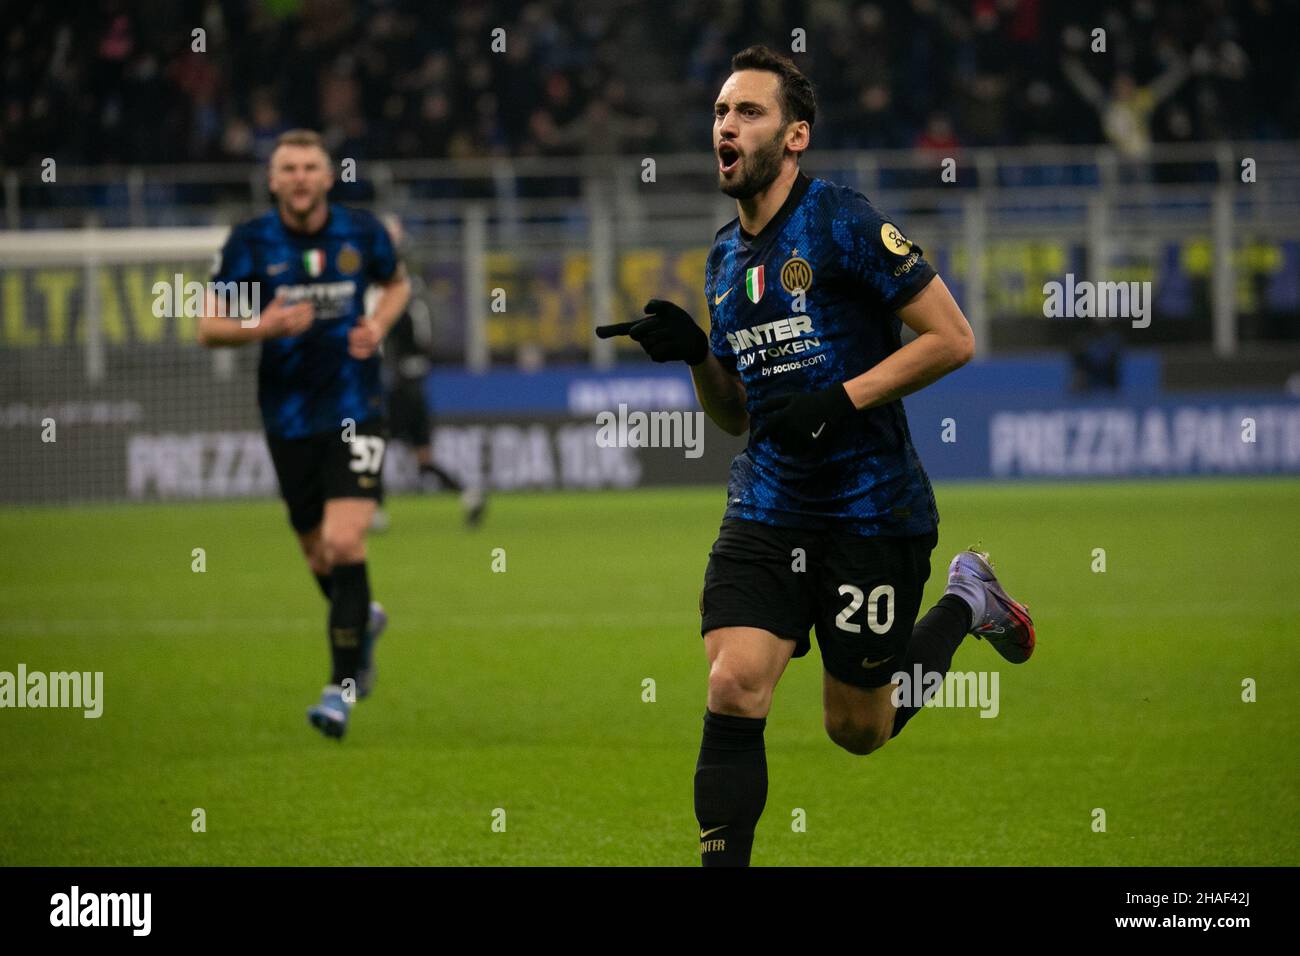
830 519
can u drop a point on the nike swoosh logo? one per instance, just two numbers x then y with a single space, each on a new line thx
275 270
868 664
704 833
818 432
718 299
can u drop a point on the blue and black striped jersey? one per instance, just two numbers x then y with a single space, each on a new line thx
855 269
308 384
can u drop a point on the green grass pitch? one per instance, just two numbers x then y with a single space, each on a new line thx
523 690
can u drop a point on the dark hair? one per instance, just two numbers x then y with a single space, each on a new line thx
798 101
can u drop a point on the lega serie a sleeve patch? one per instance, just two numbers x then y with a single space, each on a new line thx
888 264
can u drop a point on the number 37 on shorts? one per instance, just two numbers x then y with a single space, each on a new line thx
367 454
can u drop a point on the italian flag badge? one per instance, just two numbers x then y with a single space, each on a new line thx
754 283
313 260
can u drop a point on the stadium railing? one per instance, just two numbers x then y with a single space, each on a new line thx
570 243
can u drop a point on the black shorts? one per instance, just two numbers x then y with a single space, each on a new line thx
315 469
860 594
408 416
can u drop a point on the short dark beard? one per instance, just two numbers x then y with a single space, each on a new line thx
760 172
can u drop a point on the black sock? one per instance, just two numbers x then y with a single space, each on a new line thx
447 480
349 611
934 641
325 587
730 787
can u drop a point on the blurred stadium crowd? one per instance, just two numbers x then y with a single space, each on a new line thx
115 81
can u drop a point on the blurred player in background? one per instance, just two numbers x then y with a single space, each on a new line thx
319 386
830 519
408 358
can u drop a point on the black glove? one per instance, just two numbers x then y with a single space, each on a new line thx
667 333
802 423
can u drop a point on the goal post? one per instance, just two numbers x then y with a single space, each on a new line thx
105 393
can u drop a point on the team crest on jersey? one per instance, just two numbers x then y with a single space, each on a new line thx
348 260
894 240
754 284
313 260
796 275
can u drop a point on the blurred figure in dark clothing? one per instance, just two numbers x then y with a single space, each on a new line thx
1095 358
408 359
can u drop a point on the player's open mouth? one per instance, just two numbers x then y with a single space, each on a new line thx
728 158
